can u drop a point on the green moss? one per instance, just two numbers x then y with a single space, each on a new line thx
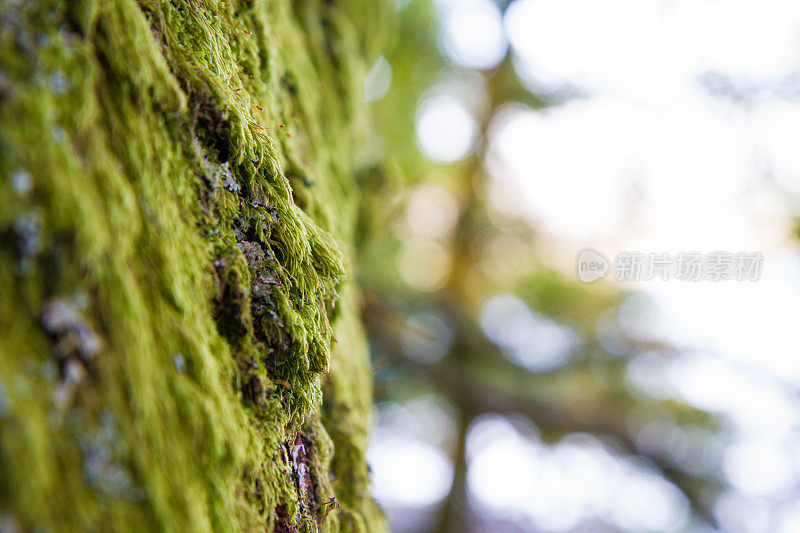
167 307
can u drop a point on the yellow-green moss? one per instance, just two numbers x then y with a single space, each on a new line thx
170 267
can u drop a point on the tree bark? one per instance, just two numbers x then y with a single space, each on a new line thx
180 347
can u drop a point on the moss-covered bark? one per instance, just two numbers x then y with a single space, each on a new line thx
180 346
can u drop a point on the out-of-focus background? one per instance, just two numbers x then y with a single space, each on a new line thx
511 396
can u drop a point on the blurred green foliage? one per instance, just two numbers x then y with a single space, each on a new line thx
489 253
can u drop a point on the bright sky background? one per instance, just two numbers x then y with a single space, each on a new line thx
675 126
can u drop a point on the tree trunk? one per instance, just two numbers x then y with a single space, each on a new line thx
180 346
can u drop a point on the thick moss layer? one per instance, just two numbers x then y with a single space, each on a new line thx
173 290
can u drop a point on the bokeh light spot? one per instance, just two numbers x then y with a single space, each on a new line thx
445 129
